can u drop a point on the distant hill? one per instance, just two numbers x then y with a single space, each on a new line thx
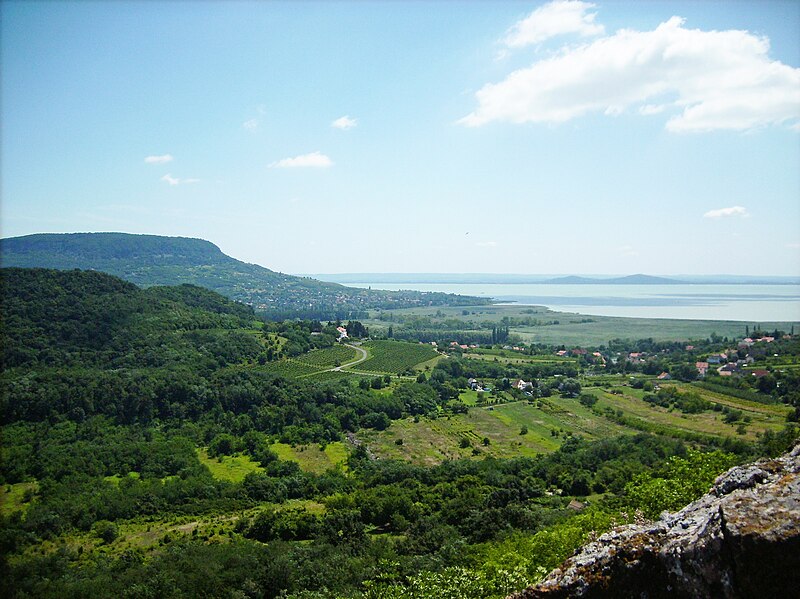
629 280
148 260
84 318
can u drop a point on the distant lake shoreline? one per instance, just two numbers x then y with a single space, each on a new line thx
747 303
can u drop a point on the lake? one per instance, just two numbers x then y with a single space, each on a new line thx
750 303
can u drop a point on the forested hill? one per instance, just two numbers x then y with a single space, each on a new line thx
148 260
61 318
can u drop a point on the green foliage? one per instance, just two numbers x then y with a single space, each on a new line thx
688 402
679 482
114 442
148 260
106 531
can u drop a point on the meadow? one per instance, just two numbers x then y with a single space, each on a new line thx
538 324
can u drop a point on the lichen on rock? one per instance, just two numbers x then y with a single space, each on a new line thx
742 539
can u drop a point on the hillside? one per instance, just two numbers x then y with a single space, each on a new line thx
148 260
739 540
163 442
60 319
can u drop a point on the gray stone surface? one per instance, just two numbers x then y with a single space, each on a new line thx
742 539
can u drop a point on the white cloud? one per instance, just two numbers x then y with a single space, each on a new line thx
487 244
649 109
793 246
713 79
163 159
627 251
727 212
176 181
344 123
556 18
251 124
314 159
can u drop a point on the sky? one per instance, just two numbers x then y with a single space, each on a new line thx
497 137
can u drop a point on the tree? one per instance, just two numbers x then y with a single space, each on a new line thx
570 387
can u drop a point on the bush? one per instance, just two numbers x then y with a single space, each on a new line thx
105 530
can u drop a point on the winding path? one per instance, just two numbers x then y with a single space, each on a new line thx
363 357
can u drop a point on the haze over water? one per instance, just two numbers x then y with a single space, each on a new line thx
750 303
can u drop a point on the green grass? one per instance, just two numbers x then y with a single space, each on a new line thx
395 356
230 468
432 441
518 359
310 457
572 328
549 420
116 478
709 423
12 497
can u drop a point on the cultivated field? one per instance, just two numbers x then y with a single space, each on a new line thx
392 357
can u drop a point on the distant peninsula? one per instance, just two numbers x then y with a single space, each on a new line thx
638 279
148 260
550 279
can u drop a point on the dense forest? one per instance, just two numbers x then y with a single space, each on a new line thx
117 403
148 260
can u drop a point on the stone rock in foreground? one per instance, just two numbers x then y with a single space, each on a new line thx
742 539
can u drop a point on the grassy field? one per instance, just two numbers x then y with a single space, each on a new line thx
659 419
547 421
431 441
311 458
231 468
12 497
574 329
516 359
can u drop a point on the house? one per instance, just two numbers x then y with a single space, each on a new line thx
689 347
664 376
579 352
561 353
473 384
716 358
342 333
759 373
576 505
702 368
728 369
521 385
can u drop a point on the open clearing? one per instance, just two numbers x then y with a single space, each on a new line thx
231 468
762 417
311 458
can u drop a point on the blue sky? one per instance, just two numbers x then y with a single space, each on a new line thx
516 137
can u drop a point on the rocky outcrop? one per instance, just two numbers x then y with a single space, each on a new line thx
742 539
